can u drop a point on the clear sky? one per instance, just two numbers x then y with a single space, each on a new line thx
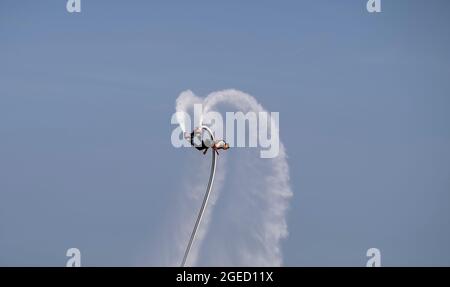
86 101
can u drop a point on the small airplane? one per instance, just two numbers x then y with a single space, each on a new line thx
196 140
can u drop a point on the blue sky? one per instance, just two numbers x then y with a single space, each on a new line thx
86 101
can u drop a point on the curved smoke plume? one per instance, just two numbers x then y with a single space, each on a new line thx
246 226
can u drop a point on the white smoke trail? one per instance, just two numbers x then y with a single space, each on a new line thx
184 103
250 220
